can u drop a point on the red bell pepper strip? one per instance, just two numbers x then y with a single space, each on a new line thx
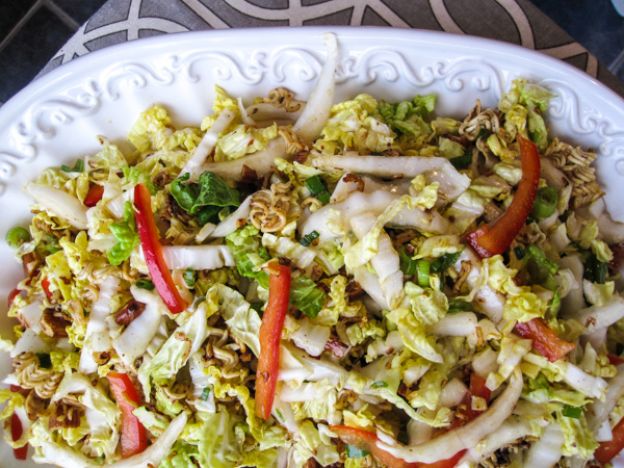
94 195
606 451
16 433
496 239
133 434
615 360
478 387
270 336
367 440
150 243
465 414
545 341
45 285
17 389
12 295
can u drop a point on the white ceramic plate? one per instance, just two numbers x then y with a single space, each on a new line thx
56 119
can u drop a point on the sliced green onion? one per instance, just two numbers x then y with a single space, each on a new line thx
309 238
422 272
355 452
145 284
317 188
443 263
595 270
572 411
205 394
17 236
541 269
555 304
190 277
379 384
462 162
545 202
408 265
78 167
459 305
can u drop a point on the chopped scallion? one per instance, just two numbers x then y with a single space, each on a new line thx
309 238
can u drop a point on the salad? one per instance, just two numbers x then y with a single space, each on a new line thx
361 283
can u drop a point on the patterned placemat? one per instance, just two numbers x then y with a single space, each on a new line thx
515 21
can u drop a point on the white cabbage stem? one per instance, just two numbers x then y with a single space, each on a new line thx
574 300
206 145
234 220
452 183
506 434
546 452
261 162
599 410
580 380
30 342
453 393
385 262
97 337
205 232
317 109
459 324
600 317
464 437
197 257
485 362
375 203
137 336
60 204
31 315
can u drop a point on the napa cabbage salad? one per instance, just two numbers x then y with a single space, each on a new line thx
361 283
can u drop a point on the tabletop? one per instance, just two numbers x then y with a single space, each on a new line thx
116 21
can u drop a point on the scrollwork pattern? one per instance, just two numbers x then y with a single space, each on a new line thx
358 67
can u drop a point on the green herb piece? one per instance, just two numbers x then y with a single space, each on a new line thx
306 296
541 269
126 237
443 263
555 304
422 272
572 411
379 384
545 202
459 305
17 236
309 238
78 167
462 162
204 198
205 395
355 452
48 245
407 117
190 277
317 188
145 284
595 270
408 265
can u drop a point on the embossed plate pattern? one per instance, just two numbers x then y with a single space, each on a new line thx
57 118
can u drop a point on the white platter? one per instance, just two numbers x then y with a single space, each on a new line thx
57 118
